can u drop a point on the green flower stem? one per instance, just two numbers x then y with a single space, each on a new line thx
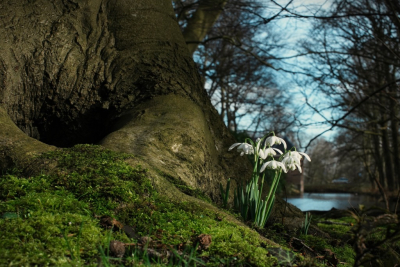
225 194
270 200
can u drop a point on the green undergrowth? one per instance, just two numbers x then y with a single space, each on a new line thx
358 231
339 231
341 235
342 251
318 249
53 219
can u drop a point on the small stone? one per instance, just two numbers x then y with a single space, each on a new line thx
117 248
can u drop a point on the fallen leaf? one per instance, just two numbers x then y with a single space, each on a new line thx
204 241
109 223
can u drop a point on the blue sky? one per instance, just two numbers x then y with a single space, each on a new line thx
295 30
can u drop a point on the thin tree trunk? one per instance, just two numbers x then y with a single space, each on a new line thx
387 156
378 159
374 177
223 109
394 123
366 156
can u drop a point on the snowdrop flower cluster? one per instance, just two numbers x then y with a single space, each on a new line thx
290 160
247 199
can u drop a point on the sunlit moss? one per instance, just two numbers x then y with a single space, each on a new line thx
39 240
338 230
52 219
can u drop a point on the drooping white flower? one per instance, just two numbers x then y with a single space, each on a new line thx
243 148
274 140
292 160
291 163
298 155
264 153
274 165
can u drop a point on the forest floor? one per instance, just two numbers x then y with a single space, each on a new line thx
94 209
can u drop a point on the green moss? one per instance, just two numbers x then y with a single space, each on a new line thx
341 234
49 219
175 223
231 240
336 230
54 202
343 252
38 240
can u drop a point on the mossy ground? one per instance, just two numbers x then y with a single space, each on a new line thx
53 219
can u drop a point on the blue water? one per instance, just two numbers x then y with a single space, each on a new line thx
327 201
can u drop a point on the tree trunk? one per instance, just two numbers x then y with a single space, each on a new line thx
114 72
378 158
201 22
387 156
394 122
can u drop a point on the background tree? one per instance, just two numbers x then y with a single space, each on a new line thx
234 60
323 167
356 59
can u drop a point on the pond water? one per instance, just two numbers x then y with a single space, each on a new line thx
327 201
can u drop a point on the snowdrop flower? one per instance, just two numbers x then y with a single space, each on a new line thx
297 155
273 140
274 165
293 167
292 160
264 153
291 163
243 148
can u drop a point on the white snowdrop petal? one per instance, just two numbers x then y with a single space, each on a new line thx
298 167
263 167
305 155
233 146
